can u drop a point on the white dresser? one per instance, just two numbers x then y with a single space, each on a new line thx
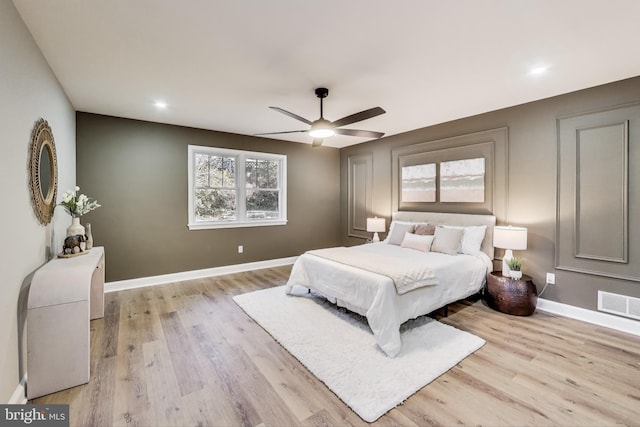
65 294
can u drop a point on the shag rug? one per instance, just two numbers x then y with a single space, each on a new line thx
338 347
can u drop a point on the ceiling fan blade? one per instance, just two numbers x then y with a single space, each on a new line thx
279 133
292 115
316 142
357 117
361 133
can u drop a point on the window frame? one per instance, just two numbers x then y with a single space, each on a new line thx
240 187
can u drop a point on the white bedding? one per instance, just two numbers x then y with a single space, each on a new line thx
374 295
407 272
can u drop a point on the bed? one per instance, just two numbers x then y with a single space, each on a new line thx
374 294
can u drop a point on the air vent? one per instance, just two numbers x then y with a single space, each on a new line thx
621 305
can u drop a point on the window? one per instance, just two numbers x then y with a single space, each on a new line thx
233 188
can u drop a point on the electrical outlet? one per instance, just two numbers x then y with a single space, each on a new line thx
240 249
551 278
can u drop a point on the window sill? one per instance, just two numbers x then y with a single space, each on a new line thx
209 226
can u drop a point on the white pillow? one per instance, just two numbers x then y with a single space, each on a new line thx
472 237
417 242
397 231
447 240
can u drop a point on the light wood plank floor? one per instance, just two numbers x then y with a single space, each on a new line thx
184 354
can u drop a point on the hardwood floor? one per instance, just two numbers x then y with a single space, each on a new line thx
185 354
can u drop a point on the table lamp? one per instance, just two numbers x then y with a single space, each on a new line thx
509 238
374 225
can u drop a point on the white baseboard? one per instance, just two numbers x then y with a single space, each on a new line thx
629 326
121 285
19 397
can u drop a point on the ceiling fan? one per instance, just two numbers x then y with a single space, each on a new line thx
323 128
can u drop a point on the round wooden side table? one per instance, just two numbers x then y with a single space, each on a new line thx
511 296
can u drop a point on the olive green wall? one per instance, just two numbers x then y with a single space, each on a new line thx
532 181
138 173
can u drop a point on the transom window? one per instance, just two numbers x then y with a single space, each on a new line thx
234 188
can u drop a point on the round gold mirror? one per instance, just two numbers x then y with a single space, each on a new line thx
43 171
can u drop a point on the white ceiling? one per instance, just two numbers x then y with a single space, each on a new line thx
219 64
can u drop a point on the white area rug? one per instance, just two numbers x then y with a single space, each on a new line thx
338 347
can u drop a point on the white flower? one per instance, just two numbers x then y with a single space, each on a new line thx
77 206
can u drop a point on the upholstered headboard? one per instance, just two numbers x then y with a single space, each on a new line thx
439 218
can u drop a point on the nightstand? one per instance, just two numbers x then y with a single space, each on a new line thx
511 296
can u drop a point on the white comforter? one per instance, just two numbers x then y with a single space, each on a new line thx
407 273
374 295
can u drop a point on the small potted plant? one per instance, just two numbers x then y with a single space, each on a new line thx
515 267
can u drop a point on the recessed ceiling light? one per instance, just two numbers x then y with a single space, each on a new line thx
161 105
536 71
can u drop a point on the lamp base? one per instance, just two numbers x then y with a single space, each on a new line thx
508 255
376 238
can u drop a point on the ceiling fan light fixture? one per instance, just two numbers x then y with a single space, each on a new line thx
322 128
322 133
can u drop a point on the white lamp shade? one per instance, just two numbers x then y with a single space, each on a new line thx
514 238
375 224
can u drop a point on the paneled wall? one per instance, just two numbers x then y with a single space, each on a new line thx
599 180
533 162
490 146
360 193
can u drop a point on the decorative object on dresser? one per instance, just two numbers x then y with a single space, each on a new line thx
76 206
74 245
89 235
43 171
515 267
375 225
509 238
511 296
75 229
